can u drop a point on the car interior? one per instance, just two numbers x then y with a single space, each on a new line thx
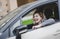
50 10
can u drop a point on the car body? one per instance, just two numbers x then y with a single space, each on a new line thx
49 32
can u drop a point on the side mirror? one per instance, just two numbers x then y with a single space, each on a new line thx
19 29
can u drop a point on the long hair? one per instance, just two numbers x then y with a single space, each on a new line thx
40 13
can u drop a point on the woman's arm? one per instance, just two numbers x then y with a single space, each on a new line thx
46 22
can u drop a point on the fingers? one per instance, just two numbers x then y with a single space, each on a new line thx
34 27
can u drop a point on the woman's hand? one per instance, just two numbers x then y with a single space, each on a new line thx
34 27
37 26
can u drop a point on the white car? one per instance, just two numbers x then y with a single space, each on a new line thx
23 16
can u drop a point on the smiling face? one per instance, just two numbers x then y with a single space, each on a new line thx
37 18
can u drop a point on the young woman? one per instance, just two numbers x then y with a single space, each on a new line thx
40 20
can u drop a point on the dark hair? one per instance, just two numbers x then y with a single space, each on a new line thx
40 13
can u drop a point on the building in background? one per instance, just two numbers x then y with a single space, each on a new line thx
21 2
9 5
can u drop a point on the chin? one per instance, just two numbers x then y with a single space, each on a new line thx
36 21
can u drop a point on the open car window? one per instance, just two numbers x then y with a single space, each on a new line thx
50 10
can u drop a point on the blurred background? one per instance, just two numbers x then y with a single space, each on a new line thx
7 6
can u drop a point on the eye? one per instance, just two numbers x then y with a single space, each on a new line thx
36 16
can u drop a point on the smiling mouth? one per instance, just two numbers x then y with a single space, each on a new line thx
36 20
